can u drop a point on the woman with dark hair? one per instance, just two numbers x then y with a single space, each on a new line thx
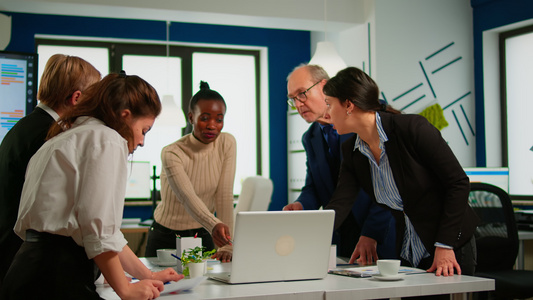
404 164
73 198
197 181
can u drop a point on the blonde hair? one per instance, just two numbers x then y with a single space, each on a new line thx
106 99
62 76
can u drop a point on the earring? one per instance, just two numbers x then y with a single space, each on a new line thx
348 113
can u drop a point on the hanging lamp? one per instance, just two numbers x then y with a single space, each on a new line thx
326 55
170 111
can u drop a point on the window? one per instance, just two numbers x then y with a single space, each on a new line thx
234 73
229 74
164 74
516 63
97 56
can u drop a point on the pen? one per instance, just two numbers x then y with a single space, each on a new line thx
133 278
175 256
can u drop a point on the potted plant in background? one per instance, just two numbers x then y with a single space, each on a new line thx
193 261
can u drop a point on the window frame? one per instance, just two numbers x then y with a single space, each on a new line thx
118 49
502 38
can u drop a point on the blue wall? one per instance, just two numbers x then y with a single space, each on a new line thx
489 14
286 49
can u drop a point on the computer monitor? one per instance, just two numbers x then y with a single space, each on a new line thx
138 185
495 176
18 87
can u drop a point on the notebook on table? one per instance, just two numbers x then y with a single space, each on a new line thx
279 246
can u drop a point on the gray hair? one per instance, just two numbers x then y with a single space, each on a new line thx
317 72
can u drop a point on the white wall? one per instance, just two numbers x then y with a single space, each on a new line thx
351 42
354 46
407 32
403 34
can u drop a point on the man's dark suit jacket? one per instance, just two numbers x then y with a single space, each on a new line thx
18 146
433 185
366 219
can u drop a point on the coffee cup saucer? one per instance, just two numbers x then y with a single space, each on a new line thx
398 276
167 263
156 261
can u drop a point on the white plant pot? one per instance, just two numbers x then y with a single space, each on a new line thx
196 269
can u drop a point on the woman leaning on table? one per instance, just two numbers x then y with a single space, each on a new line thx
73 198
404 164
197 181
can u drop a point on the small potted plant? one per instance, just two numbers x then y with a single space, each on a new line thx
193 261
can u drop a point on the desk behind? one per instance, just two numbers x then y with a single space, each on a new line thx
136 236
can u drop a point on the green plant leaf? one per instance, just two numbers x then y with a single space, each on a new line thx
197 254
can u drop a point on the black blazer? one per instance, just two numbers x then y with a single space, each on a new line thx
18 146
433 185
373 220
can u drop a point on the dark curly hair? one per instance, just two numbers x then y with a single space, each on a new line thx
205 93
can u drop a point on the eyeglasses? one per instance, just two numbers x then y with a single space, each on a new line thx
302 97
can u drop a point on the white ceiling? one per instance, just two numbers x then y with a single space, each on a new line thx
283 14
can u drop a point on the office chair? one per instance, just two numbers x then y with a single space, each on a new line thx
255 194
497 243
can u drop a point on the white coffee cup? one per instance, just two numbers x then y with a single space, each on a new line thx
165 256
388 267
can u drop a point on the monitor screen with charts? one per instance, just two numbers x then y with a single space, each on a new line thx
280 246
495 176
18 87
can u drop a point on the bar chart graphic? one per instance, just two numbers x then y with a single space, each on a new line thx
14 93
9 118
11 74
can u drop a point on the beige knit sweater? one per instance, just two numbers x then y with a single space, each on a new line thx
197 181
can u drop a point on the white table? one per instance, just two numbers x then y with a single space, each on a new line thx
332 287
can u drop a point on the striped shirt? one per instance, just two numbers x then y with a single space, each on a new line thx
386 192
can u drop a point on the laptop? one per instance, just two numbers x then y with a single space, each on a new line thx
279 246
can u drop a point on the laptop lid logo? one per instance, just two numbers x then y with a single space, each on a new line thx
285 245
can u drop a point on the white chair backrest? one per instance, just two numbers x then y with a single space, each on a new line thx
255 194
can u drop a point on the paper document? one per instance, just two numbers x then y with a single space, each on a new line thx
182 285
369 271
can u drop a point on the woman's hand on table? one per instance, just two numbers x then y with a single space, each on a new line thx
444 262
221 235
224 255
166 275
142 290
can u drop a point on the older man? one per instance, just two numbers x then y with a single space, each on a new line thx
369 230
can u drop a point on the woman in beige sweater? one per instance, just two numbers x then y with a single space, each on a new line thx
197 181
